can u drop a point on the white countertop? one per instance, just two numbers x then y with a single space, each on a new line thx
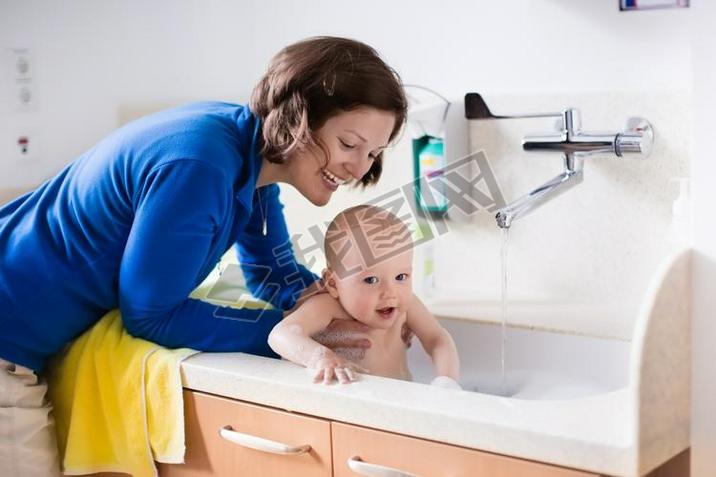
596 433
590 433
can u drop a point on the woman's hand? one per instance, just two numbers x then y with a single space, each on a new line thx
406 334
330 366
344 338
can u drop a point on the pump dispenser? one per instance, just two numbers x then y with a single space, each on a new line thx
439 132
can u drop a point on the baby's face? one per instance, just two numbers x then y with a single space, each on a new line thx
378 294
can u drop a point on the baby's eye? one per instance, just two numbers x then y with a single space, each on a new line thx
402 277
346 145
371 280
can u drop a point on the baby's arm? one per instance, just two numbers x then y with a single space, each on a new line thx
291 338
435 339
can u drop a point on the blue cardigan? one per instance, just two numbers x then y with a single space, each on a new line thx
137 222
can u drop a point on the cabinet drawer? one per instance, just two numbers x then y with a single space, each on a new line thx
210 454
428 459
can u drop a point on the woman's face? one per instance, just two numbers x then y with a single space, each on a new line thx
352 140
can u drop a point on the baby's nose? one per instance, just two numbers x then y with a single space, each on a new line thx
388 291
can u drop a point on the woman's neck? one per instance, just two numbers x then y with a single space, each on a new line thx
271 173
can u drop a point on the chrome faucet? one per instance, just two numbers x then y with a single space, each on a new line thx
576 145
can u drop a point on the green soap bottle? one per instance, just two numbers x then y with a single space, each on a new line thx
430 163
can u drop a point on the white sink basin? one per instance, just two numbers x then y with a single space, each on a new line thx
607 406
539 365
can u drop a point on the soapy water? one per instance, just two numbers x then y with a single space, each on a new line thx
533 385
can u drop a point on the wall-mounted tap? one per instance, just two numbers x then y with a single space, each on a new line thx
575 145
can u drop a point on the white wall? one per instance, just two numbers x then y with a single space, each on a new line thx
587 257
98 61
91 57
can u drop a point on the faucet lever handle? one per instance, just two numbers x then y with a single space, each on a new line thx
637 138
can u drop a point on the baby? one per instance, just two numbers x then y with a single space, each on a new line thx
369 254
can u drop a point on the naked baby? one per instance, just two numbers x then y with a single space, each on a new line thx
369 254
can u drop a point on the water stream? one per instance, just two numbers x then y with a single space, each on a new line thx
503 341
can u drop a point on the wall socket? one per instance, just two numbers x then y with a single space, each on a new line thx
21 71
20 141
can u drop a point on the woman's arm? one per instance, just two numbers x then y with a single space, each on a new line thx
269 262
166 250
435 339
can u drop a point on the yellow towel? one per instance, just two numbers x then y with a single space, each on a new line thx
117 402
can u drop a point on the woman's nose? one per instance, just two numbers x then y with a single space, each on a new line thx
357 169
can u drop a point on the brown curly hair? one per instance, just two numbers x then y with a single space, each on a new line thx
313 80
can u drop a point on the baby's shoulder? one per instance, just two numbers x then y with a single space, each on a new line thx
327 303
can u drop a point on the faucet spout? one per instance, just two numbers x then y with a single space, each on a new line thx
576 145
572 176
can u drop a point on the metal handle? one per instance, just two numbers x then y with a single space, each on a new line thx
261 444
476 108
569 139
374 470
637 139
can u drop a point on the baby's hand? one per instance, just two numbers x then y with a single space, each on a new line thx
331 366
445 382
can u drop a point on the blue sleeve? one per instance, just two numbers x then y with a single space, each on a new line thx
176 215
268 262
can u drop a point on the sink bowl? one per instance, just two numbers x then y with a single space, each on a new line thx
610 406
539 365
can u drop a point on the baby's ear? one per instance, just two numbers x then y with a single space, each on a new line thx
328 277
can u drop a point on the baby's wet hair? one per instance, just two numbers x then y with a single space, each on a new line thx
376 232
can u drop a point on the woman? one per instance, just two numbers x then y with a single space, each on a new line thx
139 220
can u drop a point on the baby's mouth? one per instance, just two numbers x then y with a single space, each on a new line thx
386 312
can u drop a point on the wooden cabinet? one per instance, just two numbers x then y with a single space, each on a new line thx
249 427
423 458
334 448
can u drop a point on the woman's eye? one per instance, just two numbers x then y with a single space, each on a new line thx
371 280
402 277
346 145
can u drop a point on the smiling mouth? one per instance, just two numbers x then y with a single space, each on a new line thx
386 312
332 178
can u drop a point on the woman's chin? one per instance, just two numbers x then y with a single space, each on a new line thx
319 201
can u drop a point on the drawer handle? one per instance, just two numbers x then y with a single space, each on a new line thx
375 470
260 444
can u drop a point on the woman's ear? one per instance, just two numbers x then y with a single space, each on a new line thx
329 282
